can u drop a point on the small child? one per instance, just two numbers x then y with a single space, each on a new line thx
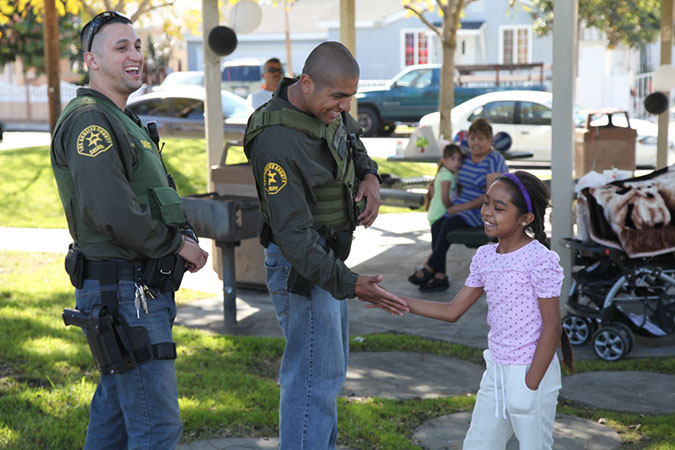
443 188
522 279
441 194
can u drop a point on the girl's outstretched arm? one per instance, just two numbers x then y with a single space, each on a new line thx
448 312
548 341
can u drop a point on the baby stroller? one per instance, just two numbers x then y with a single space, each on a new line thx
613 297
626 285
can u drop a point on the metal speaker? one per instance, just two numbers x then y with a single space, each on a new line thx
656 102
222 40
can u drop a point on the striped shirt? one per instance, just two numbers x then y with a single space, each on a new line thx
473 179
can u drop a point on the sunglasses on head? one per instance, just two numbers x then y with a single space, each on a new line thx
275 70
96 23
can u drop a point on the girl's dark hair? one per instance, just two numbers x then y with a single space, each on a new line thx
539 197
451 149
448 151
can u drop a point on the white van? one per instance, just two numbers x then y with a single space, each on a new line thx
242 76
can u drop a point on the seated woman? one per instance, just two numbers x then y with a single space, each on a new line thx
480 168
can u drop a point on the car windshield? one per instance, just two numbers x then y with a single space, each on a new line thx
183 78
241 73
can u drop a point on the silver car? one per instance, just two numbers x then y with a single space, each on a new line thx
179 113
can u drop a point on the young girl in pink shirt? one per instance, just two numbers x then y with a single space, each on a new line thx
522 279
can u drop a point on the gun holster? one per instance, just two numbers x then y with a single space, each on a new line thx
116 346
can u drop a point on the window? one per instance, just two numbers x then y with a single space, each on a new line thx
417 48
534 114
417 79
152 107
495 112
516 45
188 108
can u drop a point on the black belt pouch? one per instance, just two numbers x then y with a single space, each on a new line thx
75 267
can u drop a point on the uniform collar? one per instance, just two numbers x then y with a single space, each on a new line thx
83 91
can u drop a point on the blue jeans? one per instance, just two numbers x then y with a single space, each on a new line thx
314 365
139 408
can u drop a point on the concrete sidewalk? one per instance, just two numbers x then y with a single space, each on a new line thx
392 247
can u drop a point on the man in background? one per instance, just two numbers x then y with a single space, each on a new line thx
272 75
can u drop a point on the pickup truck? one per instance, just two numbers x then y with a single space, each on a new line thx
410 95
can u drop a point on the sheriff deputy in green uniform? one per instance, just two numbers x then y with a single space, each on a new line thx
131 244
313 177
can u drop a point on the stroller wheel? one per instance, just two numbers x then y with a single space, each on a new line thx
578 328
628 334
610 343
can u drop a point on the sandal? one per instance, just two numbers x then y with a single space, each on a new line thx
435 285
418 281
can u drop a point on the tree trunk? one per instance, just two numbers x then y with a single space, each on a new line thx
447 91
289 61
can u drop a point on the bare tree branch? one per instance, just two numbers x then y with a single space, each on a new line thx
107 4
91 11
150 8
142 8
120 5
431 26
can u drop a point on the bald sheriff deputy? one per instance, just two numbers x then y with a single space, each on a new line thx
315 184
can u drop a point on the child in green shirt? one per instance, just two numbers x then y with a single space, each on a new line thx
443 191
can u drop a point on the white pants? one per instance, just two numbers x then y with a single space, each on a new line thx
504 405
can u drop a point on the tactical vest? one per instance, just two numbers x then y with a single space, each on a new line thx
148 178
335 205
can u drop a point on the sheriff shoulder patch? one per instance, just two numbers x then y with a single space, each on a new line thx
274 178
146 144
93 141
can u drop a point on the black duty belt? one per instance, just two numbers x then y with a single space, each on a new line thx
113 270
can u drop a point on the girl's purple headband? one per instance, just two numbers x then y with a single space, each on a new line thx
515 179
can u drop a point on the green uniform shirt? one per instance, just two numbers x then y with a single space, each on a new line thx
100 156
287 164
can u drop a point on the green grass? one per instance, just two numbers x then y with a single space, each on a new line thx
226 383
30 197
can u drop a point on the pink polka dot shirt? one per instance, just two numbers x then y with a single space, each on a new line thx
513 283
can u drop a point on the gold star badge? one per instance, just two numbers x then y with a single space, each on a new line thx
93 140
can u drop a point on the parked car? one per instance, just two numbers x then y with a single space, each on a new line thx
526 117
181 79
180 113
408 96
242 76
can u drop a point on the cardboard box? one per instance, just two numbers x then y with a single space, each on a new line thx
604 147
249 257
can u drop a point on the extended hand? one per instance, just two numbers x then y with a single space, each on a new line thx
369 187
368 290
194 256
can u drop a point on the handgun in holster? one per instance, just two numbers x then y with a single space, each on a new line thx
116 346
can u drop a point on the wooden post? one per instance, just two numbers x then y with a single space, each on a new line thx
51 43
666 60
348 37
213 108
562 124
289 56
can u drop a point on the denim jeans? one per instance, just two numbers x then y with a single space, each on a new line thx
139 408
314 365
